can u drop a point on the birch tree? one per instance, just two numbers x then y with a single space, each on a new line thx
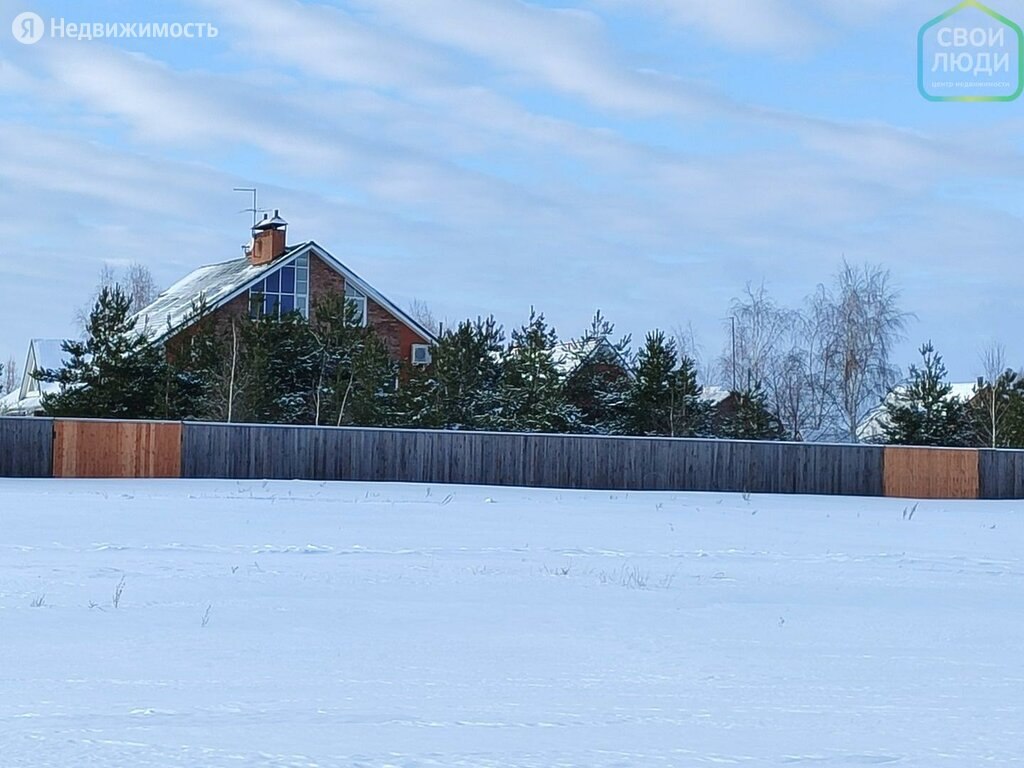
861 322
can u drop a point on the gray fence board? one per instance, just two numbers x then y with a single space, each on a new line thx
534 460
26 447
1001 474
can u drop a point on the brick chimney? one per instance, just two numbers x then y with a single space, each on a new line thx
268 239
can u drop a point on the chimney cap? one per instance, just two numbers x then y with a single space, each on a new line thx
271 223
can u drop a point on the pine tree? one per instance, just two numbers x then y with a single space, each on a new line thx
352 378
277 362
924 412
532 396
115 373
599 386
664 398
371 399
461 387
190 385
751 418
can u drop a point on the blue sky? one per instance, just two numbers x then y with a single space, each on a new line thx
644 157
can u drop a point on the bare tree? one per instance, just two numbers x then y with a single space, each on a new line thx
137 284
792 378
759 327
10 376
422 314
993 397
861 322
689 347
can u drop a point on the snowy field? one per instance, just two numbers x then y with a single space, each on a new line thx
307 624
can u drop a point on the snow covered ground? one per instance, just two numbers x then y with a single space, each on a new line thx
306 624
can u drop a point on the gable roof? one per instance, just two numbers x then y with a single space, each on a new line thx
569 356
42 353
218 284
368 290
47 353
715 395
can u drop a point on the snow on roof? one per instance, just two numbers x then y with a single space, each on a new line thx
219 283
872 429
9 402
570 355
216 283
11 405
714 395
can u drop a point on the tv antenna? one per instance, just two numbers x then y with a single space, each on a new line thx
255 210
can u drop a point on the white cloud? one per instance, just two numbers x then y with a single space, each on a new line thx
759 25
328 43
564 50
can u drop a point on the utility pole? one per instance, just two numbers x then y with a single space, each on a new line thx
732 320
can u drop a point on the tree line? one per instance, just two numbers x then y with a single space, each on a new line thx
926 410
332 370
818 371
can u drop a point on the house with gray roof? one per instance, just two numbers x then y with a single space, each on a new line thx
275 278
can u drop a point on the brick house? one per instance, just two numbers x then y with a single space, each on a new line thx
276 278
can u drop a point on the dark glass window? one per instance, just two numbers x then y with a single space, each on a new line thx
287 279
282 291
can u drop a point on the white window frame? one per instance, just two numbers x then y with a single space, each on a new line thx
356 296
412 354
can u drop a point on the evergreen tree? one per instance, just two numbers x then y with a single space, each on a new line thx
600 384
751 418
115 373
664 398
352 377
370 401
189 389
461 387
996 412
277 363
532 396
924 412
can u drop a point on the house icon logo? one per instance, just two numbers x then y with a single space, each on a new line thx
970 53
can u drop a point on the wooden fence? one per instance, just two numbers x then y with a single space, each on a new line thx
554 461
931 473
26 447
116 449
92 448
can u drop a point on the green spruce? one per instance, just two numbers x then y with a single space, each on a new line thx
924 412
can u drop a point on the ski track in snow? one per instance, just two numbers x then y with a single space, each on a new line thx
301 624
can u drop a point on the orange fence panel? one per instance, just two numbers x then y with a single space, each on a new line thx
116 449
931 473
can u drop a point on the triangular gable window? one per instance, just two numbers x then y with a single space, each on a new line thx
282 291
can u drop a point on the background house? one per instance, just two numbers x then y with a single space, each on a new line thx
276 278
26 399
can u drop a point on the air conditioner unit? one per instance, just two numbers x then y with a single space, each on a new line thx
421 354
